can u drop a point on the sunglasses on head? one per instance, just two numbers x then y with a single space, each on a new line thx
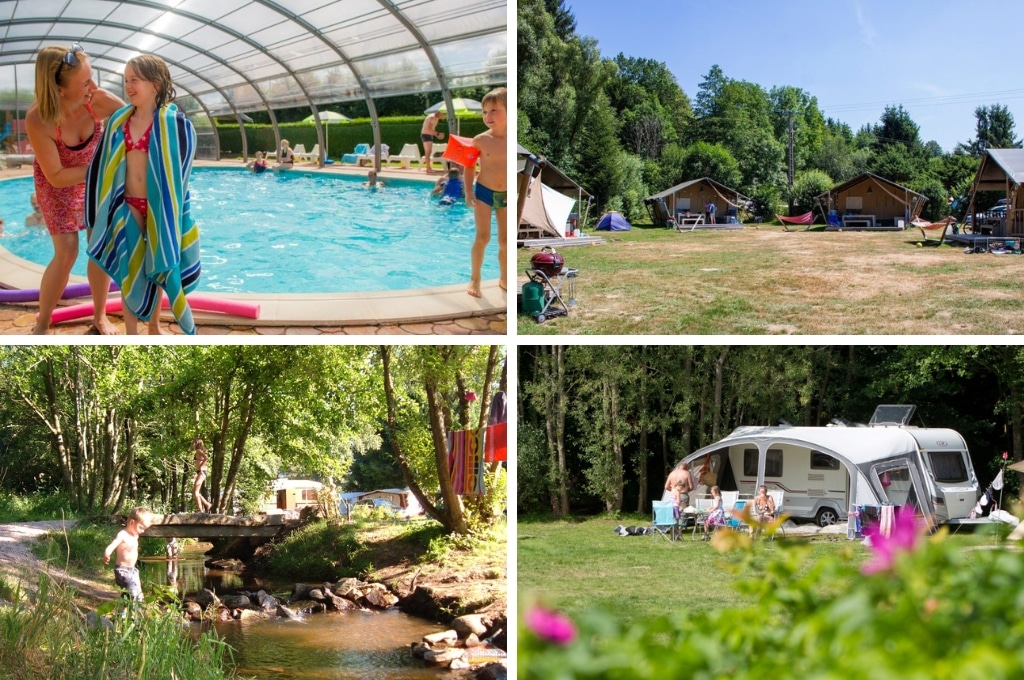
68 59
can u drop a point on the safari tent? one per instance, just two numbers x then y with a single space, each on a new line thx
823 471
870 202
692 197
1002 171
547 198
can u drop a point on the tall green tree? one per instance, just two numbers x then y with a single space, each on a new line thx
994 130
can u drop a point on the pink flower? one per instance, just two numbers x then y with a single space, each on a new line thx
470 396
550 626
902 538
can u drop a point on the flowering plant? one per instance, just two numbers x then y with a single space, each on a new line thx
918 607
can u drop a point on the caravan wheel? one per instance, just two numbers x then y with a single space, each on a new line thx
826 517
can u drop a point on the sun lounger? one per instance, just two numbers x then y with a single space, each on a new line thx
311 156
410 152
367 157
16 160
360 150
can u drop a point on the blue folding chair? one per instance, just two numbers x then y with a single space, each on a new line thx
663 521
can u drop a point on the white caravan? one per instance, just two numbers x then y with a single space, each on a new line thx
825 470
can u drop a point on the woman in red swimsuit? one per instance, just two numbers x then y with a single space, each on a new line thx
64 125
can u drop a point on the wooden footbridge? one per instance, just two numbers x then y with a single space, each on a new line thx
206 525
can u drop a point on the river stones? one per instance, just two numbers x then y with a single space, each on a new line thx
469 624
316 594
301 592
443 657
205 597
446 636
346 587
193 611
267 603
236 602
286 613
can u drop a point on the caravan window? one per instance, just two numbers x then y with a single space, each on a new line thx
772 463
823 461
948 466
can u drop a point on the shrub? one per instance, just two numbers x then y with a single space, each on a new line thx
34 507
322 551
919 609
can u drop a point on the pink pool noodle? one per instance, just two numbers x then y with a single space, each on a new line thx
202 303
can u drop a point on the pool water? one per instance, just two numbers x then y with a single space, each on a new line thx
297 232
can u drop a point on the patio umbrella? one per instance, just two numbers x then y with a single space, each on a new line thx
327 117
459 104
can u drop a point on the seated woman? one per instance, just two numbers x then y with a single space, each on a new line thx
287 156
716 515
764 506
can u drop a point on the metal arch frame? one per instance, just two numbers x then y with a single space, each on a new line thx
178 65
239 36
205 108
442 79
316 32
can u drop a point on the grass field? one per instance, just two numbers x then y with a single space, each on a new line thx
575 566
766 281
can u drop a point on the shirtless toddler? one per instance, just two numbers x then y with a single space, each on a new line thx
490 193
126 545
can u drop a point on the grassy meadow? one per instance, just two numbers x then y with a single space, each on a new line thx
578 565
762 280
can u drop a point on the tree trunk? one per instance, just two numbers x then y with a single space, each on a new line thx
716 423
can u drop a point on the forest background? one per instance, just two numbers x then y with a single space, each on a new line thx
624 129
601 426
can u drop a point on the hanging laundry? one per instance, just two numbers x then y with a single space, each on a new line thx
466 461
496 443
499 409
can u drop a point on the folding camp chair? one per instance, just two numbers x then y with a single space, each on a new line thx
663 520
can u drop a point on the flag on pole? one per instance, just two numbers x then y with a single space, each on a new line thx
997 483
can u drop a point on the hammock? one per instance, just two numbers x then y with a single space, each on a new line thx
934 227
806 218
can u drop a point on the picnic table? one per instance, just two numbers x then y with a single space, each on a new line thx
690 221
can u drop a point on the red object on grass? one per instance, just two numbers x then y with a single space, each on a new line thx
806 218
461 150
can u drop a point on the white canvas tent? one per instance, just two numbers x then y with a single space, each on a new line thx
546 206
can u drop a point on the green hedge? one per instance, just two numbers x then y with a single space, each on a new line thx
342 137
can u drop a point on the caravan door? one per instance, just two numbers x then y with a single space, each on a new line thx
898 482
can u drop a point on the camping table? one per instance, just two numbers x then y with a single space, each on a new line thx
866 220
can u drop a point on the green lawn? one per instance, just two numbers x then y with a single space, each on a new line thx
575 566
766 281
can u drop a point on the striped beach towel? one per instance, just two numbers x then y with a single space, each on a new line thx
166 253
466 461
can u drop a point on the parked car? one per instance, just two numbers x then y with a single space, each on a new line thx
996 212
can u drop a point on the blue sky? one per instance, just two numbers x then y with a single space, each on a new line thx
941 59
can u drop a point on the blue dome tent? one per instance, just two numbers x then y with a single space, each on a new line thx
613 221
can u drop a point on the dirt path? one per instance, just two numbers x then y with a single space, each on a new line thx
17 561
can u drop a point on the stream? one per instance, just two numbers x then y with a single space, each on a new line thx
329 646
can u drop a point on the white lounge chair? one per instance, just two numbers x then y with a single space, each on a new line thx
410 152
368 156
311 156
435 156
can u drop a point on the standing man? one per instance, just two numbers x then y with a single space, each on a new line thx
678 486
427 134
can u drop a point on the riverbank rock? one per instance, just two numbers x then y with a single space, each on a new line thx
204 597
236 602
267 603
193 612
443 657
377 595
286 613
446 636
470 624
492 671
229 564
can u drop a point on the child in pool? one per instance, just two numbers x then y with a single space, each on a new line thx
450 189
490 192
371 181
260 164
35 219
